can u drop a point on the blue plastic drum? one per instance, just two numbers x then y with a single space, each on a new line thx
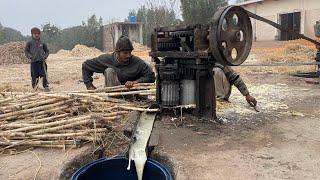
116 168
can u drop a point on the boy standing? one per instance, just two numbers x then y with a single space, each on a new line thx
37 52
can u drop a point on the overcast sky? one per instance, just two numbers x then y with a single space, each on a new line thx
24 14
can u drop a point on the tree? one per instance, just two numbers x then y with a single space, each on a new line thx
1 34
132 12
93 31
89 34
8 35
153 14
51 34
11 35
200 11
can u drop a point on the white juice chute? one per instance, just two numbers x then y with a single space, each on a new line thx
137 151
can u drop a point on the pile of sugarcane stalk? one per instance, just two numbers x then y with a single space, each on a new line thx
67 119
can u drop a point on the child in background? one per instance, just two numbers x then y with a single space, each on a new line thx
37 52
318 59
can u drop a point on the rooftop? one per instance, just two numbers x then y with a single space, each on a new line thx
248 2
125 23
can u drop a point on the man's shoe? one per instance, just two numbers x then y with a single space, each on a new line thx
90 87
47 89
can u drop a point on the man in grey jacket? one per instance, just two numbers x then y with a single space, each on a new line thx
37 52
224 78
120 67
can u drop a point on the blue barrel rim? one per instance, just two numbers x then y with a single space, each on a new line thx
84 168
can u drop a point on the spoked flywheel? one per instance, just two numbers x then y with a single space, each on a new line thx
231 35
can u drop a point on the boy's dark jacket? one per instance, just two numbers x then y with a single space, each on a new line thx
36 50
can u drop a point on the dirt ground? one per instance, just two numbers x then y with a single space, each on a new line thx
282 141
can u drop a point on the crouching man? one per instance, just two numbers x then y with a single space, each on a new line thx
224 78
119 68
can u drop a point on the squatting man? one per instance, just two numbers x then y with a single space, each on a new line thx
119 68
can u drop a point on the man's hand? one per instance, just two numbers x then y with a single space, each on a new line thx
251 100
130 84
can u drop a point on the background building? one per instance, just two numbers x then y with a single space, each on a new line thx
112 32
298 15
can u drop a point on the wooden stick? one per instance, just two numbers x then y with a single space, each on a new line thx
136 109
38 126
12 93
38 142
81 95
13 134
44 113
13 145
8 116
69 135
62 146
88 138
21 97
124 89
32 104
41 114
115 113
130 92
60 96
15 125
114 87
65 126
40 103
47 119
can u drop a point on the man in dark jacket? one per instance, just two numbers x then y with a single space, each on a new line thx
119 67
37 52
224 78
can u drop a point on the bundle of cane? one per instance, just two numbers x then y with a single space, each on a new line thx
67 119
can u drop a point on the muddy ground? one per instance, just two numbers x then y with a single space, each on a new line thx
282 141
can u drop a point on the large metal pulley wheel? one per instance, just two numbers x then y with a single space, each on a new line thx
231 35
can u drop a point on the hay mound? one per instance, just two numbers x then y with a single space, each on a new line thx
79 50
63 52
13 53
140 50
139 47
292 51
84 51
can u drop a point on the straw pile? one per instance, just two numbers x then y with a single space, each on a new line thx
13 53
66 119
140 50
84 51
79 51
140 47
63 52
292 51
